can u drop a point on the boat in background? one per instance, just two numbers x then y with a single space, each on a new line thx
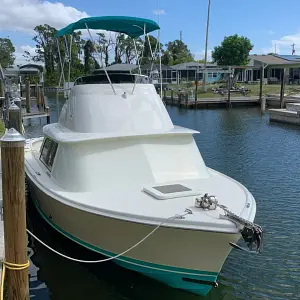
117 177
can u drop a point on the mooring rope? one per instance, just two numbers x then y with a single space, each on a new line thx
10 266
177 216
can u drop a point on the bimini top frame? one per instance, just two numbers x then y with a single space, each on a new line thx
133 27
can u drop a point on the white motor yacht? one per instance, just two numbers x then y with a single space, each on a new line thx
114 173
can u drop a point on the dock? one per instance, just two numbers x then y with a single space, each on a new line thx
212 102
289 115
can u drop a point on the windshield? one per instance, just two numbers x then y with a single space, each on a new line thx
114 77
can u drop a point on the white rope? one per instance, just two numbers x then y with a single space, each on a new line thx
116 256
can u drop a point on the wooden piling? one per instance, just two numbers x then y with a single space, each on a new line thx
263 105
229 88
27 92
2 89
282 81
186 99
38 97
47 110
15 117
172 96
36 90
13 187
196 93
165 95
261 83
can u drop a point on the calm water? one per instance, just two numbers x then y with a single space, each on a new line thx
239 142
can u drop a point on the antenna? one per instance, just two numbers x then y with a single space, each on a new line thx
293 48
180 35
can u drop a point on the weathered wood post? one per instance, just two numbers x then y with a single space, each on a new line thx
13 186
186 99
165 94
5 111
27 93
261 84
37 87
263 105
196 93
229 88
47 110
15 117
282 88
172 96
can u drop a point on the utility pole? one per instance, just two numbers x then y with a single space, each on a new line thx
293 48
180 35
206 42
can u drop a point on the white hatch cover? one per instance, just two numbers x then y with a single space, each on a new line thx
169 191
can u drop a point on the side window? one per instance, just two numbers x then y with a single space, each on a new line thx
48 153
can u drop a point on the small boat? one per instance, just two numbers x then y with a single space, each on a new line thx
116 176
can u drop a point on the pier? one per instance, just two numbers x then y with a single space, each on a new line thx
211 102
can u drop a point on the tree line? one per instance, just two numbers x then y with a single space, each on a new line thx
113 49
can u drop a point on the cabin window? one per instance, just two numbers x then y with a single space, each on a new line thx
48 152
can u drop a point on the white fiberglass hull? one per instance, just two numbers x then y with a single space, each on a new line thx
182 258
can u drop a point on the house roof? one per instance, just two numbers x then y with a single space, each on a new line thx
268 59
277 61
191 65
156 66
289 57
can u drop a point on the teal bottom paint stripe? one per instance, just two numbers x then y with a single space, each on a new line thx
176 277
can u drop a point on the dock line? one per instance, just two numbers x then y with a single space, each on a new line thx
177 216
10 266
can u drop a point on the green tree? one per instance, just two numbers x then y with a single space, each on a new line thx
177 52
45 46
233 51
119 48
154 49
47 53
104 45
88 50
130 54
7 50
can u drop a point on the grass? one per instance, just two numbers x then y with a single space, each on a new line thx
254 90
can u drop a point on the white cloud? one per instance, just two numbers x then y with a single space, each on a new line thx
159 12
24 15
270 31
201 54
19 54
284 44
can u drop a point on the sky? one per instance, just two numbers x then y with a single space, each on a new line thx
265 22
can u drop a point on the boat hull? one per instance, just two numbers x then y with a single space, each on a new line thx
185 259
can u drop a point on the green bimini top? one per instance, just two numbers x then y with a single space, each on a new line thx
131 26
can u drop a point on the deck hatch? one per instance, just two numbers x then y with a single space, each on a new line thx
171 188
